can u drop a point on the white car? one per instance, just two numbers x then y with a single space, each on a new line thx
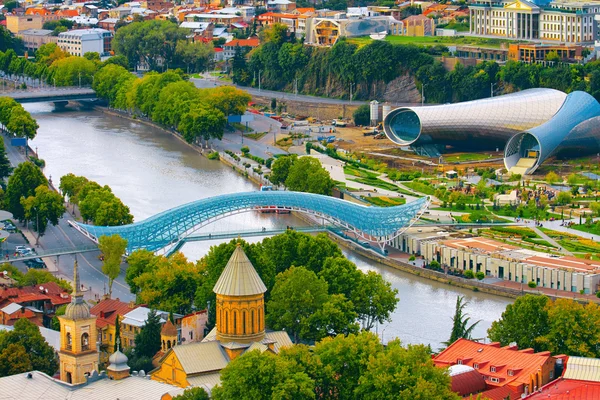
23 250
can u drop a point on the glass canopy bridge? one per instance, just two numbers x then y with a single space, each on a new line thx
169 229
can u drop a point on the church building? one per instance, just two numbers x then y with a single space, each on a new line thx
240 327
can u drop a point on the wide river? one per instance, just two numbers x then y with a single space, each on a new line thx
151 171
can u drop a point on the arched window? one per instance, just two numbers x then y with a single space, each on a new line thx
168 344
226 321
69 344
163 346
234 322
259 321
85 342
244 322
252 320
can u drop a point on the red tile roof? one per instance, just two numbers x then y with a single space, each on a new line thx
37 11
501 393
106 311
568 389
68 13
507 364
468 382
243 43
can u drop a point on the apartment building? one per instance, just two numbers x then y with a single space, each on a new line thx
80 41
559 21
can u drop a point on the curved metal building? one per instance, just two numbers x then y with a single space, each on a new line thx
485 123
575 128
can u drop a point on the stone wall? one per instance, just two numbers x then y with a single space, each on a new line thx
320 111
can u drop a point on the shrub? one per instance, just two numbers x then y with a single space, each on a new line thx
469 274
598 294
412 258
434 264
582 291
532 284
213 155
245 149
480 275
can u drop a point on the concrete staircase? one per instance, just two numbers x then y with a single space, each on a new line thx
522 166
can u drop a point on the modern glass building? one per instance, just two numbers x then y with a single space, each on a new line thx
479 124
531 126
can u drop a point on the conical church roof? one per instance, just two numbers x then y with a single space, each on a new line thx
239 278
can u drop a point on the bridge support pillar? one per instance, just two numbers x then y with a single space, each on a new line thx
60 105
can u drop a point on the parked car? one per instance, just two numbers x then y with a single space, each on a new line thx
35 263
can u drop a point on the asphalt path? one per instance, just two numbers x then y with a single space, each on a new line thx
64 236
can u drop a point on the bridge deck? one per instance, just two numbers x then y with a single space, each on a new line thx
52 94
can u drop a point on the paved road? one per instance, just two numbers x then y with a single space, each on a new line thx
62 236
208 83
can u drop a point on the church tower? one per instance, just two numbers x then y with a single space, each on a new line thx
240 301
78 353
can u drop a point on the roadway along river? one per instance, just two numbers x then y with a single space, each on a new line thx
151 171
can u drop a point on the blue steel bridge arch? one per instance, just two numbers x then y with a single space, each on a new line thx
168 228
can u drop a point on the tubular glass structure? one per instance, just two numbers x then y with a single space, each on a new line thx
485 123
574 126
168 228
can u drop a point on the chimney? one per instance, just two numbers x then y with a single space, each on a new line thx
131 304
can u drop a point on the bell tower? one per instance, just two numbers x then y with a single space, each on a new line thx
240 301
78 353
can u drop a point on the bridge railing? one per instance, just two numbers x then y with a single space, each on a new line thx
48 253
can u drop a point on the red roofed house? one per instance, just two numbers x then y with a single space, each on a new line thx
243 44
12 312
41 299
580 381
506 371
106 312
67 13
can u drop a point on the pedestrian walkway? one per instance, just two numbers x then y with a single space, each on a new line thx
551 241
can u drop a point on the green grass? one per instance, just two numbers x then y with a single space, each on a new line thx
517 231
435 40
509 212
385 201
359 172
466 157
420 187
256 135
594 229
378 183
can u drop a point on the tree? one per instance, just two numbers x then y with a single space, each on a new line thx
170 284
117 334
5 166
298 293
27 335
263 376
362 116
202 121
307 175
564 198
39 276
404 373
280 169
55 323
374 299
22 183
195 56
193 393
21 123
108 81
139 262
14 360
336 316
71 71
523 322
45 207
112 248
147 341
460 322
342 276
552 177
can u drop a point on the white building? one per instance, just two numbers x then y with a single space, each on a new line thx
557 21
80 41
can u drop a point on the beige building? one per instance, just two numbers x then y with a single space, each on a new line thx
19 23
33 39
511 263
559 21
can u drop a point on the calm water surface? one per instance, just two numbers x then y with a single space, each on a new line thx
152 171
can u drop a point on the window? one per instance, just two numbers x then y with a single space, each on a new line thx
551 374
495 380
492 369
69 341
110 337
459 362
85 342
476 366
511 372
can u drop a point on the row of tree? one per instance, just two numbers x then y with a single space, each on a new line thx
304 174
97 204
342 298
285 64
170 100
16 120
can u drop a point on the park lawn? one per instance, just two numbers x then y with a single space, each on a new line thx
574 243
526 214
385 201
359 172
460 157
256 135
594 229
378 183
523 232
479 217
434 40
420 187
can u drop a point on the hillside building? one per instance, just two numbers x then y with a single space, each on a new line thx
80 41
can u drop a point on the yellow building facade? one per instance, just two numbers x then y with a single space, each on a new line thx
78 353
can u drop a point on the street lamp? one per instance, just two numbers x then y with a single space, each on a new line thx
492 84
259 72
37 225
351 86
423 94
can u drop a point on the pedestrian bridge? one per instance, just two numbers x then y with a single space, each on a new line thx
51 94
168 229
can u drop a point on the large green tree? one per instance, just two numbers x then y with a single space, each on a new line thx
113 249
307 175
139 262
5 166
26 335
374 299
460 322
524 322
281 168
263 376
46 206
193 393
22 183
71 71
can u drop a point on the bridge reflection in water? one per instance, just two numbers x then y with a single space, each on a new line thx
170 228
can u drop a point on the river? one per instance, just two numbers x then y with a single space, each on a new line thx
152 171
